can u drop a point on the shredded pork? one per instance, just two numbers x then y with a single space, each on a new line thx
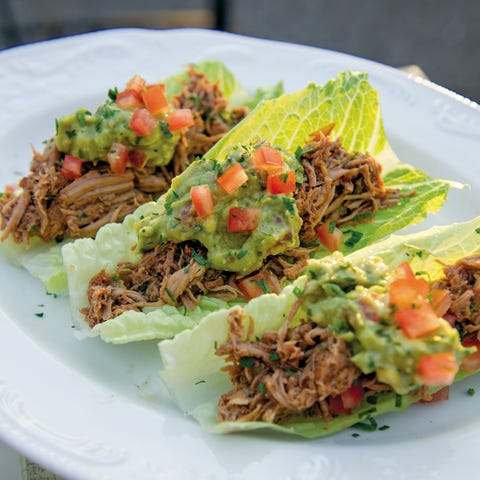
282 374
176 274
462 281
53 208
341 187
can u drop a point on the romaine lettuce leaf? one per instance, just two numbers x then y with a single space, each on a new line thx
192 370
353 105
40 259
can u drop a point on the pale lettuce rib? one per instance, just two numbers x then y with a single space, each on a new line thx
191 370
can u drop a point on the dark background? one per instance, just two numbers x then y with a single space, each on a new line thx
440 36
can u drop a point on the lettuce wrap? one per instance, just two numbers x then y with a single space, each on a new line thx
89 137
196 376
350 104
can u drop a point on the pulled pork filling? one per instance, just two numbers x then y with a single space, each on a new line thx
462 281
340 187
295 371
299 370
52 207
175 274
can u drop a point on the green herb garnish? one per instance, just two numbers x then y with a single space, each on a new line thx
247 362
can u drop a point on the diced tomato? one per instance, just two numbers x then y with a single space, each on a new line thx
202 200
253 286
136 83
343 403
129 100
335 405
181 118
281 182
268 159
352 397
243 220
437 369
405 293
233 178
72 167
11 188
333 240
471 363
404 271
117 157
416 322
136 158
143 123
154 98
441 300
438 396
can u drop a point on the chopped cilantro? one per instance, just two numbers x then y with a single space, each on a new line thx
369 426
361 216
263 285
331 227
298 152
274 356
170 295
168 208
112 93
80 115
199 259
367 412
247 362
471 392
261 388
354 238
298 292
241 254
289 204
165 130
39 314
200 381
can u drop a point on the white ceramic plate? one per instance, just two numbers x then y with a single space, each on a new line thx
87 410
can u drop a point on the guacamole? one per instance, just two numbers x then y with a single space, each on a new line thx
89 136
353 301
243 252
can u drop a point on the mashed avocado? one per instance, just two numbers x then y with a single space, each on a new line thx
243 252
90 136
353 301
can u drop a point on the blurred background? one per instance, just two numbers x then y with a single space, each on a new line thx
440 36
